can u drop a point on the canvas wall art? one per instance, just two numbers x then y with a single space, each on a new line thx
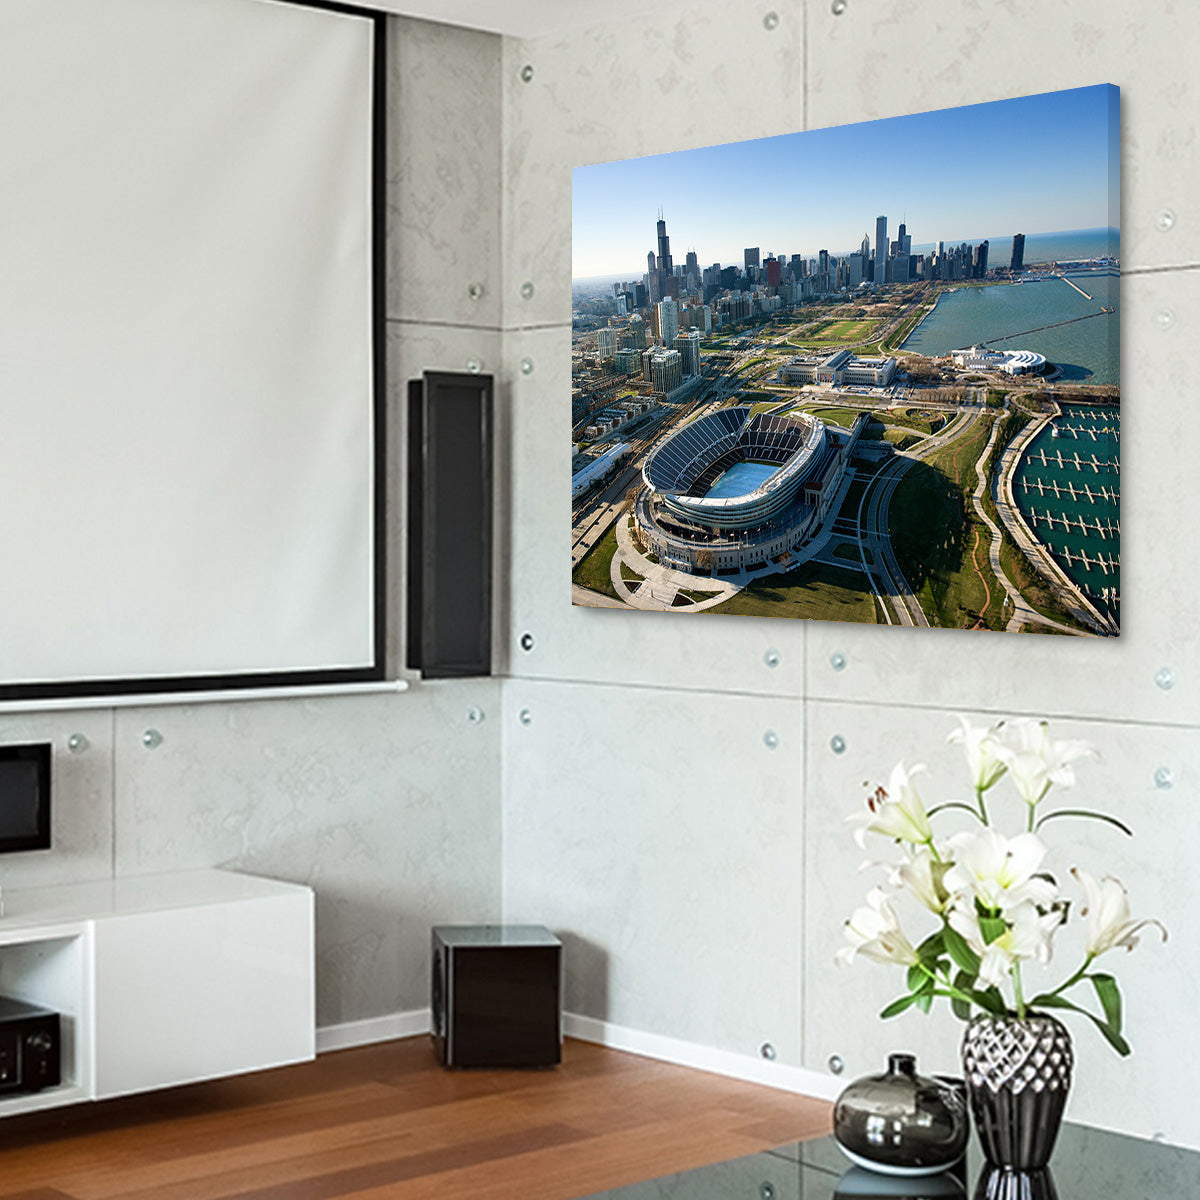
868 373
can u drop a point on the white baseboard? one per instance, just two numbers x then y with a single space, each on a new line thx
799 1080
375 1029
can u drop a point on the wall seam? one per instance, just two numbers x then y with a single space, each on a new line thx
802 938
112 786
804 64
508 46
434 324
1163 270
803 696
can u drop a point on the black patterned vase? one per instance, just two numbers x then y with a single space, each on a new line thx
1018 1073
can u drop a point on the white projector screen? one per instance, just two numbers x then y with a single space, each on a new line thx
190 345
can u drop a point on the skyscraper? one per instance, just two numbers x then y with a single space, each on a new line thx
668 322
774 272
881 249
688 345
751 256
981 257
664 249
1018 253
661 268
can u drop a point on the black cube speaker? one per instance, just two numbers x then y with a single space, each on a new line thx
496 996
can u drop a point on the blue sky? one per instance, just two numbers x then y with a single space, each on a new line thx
1038 164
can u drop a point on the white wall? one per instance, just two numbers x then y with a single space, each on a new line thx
700 878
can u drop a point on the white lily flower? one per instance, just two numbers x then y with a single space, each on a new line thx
922 875
895 811
1035 762
1029 935
999 872
979 743
874 931
1108 921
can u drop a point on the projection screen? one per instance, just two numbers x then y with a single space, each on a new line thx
191 473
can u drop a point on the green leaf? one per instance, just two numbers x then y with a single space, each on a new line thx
1050 1000
962 954
898 1006
990 1000
937 808
1111 1035
1083 812
915 978
1109 995
962 1008
925 1000
931 949
1114 1039
992 928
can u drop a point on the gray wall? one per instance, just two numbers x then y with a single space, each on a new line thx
701 878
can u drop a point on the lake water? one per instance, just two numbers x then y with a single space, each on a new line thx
1028 316
741 479
1068 488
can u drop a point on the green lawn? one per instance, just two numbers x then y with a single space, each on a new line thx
945 547
902 439
915 418
694 596
843 417
844 331
593 571
933 527
814 592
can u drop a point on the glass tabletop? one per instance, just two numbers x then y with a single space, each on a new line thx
1088 1164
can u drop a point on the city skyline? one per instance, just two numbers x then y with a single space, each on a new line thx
1034 165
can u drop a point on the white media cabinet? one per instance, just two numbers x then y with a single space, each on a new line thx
163 979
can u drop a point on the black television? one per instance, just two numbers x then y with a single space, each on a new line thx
25 797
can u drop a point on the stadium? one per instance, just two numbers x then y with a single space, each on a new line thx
734 490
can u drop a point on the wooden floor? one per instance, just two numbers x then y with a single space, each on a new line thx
386 1123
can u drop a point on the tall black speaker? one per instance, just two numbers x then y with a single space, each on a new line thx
450 525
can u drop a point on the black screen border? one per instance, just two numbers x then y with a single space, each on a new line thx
376 672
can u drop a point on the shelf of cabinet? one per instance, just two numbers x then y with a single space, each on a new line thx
162 980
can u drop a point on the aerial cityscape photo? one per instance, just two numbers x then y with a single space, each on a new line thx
877 378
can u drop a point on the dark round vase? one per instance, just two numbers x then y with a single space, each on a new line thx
902 1121
1018 1074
